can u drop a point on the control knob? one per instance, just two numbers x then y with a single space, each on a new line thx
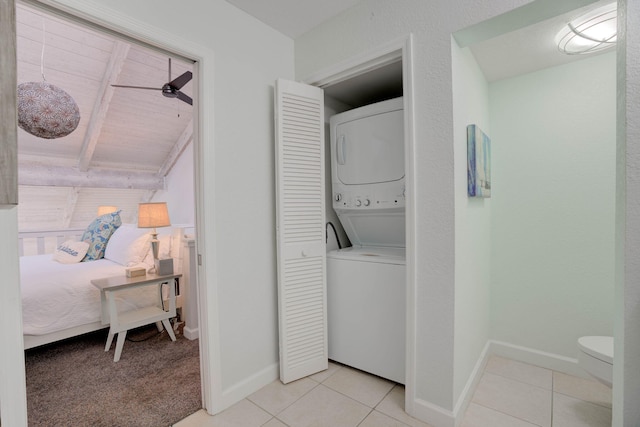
338 197
367 202
358 203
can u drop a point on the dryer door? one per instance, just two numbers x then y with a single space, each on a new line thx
370 150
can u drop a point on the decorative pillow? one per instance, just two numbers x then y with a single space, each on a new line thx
70 252
128 245
98 233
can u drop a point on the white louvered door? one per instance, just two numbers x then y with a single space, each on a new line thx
300 229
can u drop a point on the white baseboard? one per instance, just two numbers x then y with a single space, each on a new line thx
441 417
470 387
433 414
191 333
555 362
250 385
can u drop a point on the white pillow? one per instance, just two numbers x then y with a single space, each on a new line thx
128 245
70 252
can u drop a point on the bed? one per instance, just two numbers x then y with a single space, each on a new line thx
59 301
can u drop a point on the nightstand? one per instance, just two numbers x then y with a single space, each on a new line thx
120 323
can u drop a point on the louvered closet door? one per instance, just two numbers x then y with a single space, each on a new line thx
300 229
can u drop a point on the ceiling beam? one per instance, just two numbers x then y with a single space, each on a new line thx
101 106
185 138
39 174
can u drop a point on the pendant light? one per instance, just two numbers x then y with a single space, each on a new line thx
45 110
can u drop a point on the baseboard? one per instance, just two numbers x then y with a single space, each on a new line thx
555 362
438 416
250 385
191 333
433 414
470 387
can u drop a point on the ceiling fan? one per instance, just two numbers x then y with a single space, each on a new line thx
172 88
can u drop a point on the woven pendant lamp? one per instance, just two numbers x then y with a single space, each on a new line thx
46 111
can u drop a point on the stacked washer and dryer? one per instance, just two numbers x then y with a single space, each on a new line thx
366 282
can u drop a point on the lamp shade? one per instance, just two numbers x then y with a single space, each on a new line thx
102 210
46 111
151 215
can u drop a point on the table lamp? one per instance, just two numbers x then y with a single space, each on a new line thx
106 209
152 215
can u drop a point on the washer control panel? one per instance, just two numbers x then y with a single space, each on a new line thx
388 195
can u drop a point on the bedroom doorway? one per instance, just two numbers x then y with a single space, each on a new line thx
187 139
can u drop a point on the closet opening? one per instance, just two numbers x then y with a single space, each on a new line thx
379 253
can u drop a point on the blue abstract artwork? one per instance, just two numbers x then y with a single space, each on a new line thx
478 163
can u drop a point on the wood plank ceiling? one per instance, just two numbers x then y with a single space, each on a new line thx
127 140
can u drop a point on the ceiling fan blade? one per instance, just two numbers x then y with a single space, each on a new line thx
185 98
181 80
138 87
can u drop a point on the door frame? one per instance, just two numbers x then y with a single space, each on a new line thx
203 152
397 49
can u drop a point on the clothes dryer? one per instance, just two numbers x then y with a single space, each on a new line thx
367 173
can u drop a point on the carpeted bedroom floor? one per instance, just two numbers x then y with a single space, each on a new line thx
76 383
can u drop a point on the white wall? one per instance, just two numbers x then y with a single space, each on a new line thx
473 221
626 376
180 190
238 169
242 59
362 28
553 205
12 377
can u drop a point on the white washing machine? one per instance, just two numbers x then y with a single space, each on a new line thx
366 282
366 309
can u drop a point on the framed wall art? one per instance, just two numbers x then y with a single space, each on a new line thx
478 163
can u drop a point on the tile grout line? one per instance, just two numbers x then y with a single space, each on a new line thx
553 390
509 415
317 383
388 415
519 381
292 403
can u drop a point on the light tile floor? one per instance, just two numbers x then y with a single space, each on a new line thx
509 394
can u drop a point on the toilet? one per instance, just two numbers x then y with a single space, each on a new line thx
596 357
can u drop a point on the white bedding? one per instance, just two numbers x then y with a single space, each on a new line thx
58 296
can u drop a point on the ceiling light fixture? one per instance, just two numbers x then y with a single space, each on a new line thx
45 110
592 32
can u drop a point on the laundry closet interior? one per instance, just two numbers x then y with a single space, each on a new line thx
365 214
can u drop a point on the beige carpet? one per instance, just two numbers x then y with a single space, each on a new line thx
76 383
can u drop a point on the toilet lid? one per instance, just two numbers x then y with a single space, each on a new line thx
599 347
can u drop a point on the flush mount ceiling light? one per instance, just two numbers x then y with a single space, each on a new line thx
591 32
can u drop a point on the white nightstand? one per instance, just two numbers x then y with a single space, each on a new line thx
120 323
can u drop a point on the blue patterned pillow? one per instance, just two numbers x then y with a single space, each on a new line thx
97 234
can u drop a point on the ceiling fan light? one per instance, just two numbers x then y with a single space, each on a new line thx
592 32
46 111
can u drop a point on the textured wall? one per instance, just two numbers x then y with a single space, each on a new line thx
363 28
